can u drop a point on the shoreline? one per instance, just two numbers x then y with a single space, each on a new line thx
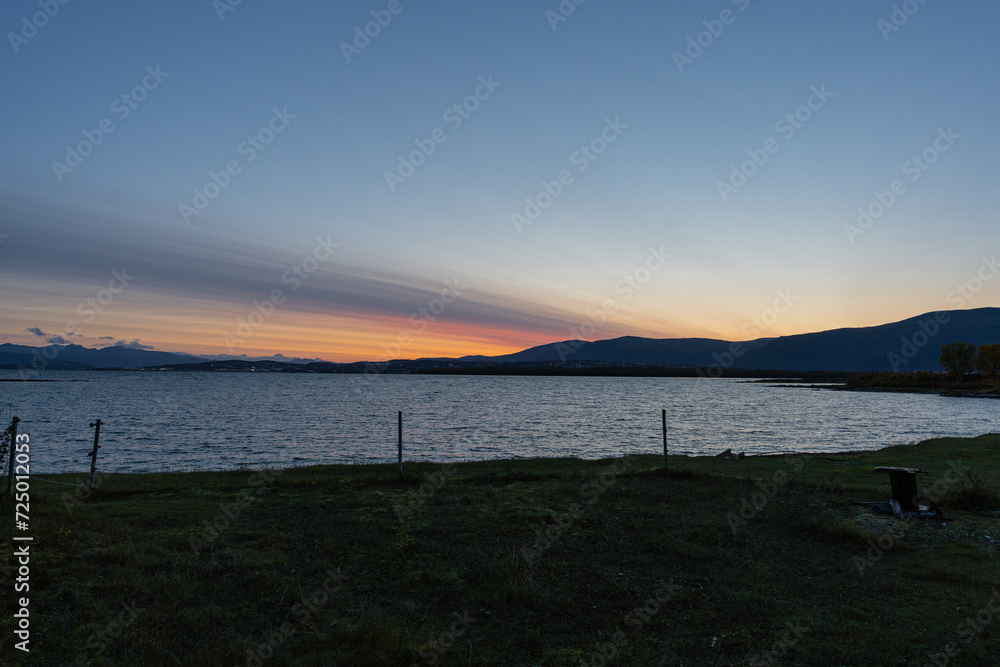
523 462
949 393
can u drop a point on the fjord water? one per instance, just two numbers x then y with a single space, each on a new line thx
208 421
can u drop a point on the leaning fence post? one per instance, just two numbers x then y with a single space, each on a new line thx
93 454
400 442
664 415
10 465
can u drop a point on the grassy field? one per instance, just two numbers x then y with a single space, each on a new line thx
761 560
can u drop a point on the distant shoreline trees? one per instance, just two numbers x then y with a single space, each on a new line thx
988 361
961 359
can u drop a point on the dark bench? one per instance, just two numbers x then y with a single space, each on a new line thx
903 482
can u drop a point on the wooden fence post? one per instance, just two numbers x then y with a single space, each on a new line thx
93 454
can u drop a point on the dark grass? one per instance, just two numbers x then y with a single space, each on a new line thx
794 563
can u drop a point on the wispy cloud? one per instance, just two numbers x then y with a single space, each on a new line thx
59 247
51 339
134 345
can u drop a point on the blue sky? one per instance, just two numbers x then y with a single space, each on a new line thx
889 95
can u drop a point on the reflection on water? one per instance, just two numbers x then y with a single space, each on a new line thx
156 421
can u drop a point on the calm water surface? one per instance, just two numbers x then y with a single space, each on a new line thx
181 421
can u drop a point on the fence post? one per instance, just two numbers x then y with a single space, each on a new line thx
400 442
93 454
13 443
664 415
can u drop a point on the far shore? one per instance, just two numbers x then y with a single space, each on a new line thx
908 383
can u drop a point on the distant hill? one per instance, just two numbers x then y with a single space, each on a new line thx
910 345
23 356
629 350
69 357
108 357
227 365
274 357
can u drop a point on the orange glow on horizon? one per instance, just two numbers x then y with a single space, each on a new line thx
338 339
206 327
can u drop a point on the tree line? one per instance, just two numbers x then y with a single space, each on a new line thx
961 359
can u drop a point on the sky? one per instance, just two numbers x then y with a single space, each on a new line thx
407 178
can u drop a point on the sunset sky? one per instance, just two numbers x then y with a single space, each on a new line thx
274 180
